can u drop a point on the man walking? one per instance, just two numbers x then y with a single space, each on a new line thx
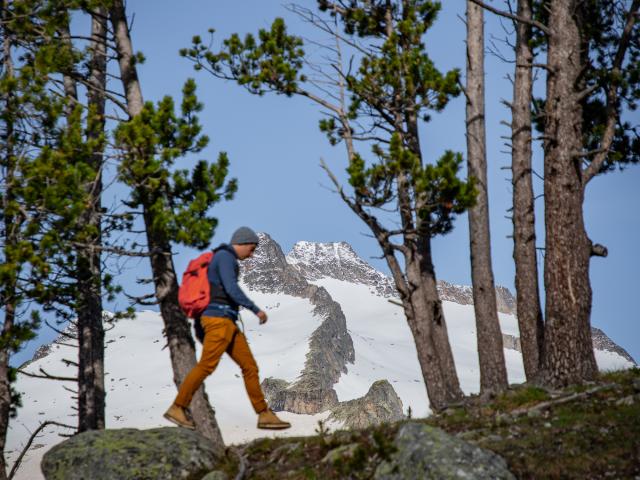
221 334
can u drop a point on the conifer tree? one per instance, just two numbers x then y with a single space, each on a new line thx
91 389
15 330
529 308
592 51
61 181
174 202
493 370
391 93
29 127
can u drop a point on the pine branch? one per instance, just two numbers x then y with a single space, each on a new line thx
612 96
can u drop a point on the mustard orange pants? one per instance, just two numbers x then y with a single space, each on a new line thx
222 335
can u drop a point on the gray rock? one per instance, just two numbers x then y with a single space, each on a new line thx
337 454
272 389
130 454
215 475
511 342
298 398
426 452
380 404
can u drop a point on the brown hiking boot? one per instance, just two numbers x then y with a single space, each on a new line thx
178 415
270 421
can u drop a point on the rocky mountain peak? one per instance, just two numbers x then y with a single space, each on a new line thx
337 260
268 271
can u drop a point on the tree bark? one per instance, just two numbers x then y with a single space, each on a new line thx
180 341
524 234
427 323
568 350
493 372
91 389
9 227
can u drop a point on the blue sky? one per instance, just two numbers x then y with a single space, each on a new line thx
275 147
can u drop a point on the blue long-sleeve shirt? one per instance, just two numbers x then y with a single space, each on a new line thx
223 272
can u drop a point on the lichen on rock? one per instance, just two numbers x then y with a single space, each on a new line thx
425 452
131 454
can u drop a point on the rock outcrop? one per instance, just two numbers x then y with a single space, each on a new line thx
511 342
429 453
463 294
130 454
380 404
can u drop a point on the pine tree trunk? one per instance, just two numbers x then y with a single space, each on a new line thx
5 387
524 233
568 350
8 294
180 341
493 372
426 320
91 389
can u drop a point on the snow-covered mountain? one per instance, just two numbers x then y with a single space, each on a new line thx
334 349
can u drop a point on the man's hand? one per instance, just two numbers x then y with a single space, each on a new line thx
262 316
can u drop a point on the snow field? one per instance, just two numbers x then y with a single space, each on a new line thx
385 349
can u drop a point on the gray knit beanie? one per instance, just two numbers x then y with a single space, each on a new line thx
244 235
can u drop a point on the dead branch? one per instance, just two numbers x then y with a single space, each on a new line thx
242 467
598 250
48 376
558 401
61 332
42 426
512 16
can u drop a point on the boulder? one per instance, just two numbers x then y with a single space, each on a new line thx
425 452
128 454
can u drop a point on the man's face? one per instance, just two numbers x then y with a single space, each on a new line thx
245 251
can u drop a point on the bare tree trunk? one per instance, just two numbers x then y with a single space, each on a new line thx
568 350
524 233
91 390
180 341
493 372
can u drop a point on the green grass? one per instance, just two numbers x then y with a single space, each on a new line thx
596 436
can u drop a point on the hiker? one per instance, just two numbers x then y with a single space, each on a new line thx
221 333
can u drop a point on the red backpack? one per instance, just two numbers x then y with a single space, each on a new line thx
193 295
